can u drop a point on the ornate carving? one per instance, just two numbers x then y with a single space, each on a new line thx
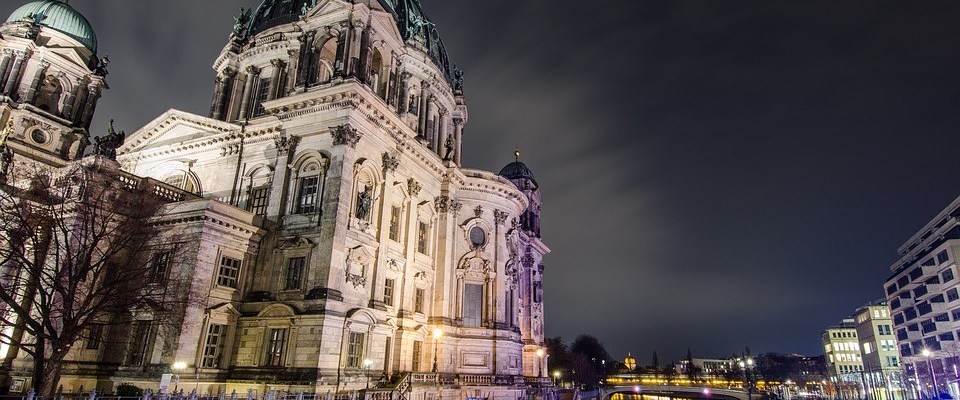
230 150
500 217
358 259
395 264
420 276
295 242
390 162
478 211
357 281
345 135
442 204
413 187
455 206
285 144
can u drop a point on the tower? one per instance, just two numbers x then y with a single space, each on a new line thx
50 80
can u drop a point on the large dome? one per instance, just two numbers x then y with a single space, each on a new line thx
411 21
59 16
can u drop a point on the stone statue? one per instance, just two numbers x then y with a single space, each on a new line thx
457 79
106 146
102 64
6 132
364 202
450 146
240 22
414 107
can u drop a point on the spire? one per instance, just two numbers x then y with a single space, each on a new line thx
516 154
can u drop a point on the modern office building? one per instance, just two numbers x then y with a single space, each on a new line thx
878 349
923 297
841 348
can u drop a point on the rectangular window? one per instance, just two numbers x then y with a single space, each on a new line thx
355 350
952 295
307 197
295 268
257 201
955 314
388 287
138 343
942 257
229 272
947 275
263 89
160 266
892 289
418 300
417 355
94 336
276 347
395 224
472 305
213 349
422 235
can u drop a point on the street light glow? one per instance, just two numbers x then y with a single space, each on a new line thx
540 353
179 365
925 352
367 362
437 333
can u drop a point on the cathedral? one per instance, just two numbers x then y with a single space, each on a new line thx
331 238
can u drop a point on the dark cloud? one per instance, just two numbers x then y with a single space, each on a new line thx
715 174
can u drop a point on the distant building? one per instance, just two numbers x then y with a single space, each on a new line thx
844 361
878 349
923 297
708 367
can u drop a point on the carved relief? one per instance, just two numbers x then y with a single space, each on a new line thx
500 217
345 135
286 144
295 242
396 265
413 187
478 211
390 162
441 204
358 260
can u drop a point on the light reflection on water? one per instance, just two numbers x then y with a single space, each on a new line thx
633 396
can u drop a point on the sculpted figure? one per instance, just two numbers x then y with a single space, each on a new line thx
364 202
106 146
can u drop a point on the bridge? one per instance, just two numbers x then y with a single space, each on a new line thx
695 392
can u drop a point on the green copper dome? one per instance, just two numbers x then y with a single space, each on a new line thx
58 15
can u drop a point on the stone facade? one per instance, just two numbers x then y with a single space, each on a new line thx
333 238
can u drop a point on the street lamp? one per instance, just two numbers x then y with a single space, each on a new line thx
367 363
556 378
933 376
177 366
540 355
437 334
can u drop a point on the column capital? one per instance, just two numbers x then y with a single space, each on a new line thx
252 70
276 62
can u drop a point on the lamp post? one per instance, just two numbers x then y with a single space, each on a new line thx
177 367
437 334
745 366
556 378
367 363
540 355
933 376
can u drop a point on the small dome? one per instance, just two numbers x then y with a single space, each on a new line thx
518 170
59 16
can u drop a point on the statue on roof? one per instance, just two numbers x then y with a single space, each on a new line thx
457 78
450 146
106 146
240 22
102 65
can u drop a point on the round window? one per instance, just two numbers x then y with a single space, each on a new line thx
39 136
478 237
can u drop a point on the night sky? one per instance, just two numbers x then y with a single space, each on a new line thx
716 174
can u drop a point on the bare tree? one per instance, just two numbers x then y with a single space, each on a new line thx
75 254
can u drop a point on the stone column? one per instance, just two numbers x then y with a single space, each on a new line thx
430 130
458 135
5 62
247 88
291 81
226 87
70 97
422 110
93 95
443 136
31 94
215 104
343 50
278 66
10 87
284 179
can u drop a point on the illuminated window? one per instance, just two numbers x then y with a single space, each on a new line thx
276 346
355 350
213 349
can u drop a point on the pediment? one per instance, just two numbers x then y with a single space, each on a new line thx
325 7
172 128
224 308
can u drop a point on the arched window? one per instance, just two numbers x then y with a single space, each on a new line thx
48 98
378 76
185 181
309 186
325 55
